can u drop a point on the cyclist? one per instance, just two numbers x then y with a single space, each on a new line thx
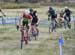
53 15
35 18
33 13
26 17
67 15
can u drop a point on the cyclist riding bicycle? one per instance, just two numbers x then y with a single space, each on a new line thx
52 14
26 19
35 18
67 16
33 13
67 13
34 23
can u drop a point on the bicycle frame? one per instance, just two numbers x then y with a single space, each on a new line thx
24 37
34 31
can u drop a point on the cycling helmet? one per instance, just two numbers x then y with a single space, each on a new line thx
35 10
50 8
27 12
31 9
66 7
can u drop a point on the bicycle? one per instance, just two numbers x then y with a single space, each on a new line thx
60 22
34 32
24 36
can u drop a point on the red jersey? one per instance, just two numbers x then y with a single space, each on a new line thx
27 16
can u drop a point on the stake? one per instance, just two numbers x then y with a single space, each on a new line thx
61 42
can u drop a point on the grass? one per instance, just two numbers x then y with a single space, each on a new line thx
46 45
42 11
10 43
69 42
18 6
6 5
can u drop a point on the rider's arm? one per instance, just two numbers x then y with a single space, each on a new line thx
48 15
20 20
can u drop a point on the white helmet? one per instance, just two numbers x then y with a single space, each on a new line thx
66 7
27 12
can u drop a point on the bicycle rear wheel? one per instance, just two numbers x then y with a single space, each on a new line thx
69 25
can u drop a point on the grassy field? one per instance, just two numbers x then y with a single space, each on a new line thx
47 44
42 11
10 43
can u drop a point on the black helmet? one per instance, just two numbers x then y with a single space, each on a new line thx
35 11
50 8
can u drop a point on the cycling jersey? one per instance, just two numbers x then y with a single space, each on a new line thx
52 14
26 18
67 12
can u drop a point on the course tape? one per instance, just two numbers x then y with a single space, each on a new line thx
14 20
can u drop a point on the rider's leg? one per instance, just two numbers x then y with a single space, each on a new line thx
55 23
69 25
52 25
65 22
48 17
69 18
27 26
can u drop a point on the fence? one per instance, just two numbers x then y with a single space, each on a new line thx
12 20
